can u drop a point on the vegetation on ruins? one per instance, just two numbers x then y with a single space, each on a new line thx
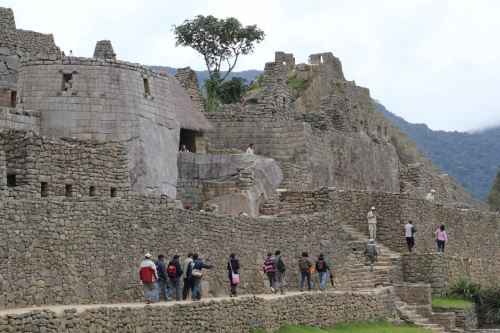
487 299
450 303
494 197
220 42
381 325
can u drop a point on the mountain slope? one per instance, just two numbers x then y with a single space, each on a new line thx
248 75
471 158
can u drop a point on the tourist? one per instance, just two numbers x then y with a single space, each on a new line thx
322 267
162 278
279 263
270 270
197 267
305 271
233 267
174 272
441 238
372 222
206 208
148 276
410 235
430 195
187 278
183 149
188 207
371 253
250 150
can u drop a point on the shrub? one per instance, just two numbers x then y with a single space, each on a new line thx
465 289
489 305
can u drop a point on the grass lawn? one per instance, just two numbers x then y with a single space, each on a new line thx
380 326
450 303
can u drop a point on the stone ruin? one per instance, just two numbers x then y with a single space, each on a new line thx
91 178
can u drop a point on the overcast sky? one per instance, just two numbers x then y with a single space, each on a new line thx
429 61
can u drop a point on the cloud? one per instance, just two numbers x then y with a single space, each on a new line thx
432 61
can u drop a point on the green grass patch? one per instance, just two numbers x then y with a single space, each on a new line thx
300 85
379 326
450 303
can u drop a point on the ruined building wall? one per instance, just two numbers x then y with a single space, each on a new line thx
189 81
45 167
88 250
19 119
104 50
252 313
109 100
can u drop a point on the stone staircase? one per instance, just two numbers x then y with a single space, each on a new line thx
360 276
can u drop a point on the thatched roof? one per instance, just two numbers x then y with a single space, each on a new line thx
189 114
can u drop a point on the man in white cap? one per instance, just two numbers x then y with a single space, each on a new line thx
149 276
372 222
430 195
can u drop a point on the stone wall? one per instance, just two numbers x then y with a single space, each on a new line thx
439 270
104 50
75 168
465 319
88 250
215 316
189 81
109 100
19 119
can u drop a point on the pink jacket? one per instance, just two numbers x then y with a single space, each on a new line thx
441 235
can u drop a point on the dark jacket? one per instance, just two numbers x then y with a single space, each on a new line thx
178 267
199 264
235 263
161 269
326 266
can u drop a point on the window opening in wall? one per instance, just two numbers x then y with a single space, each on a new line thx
44 189
147 92
13 97
67 82
11 180
69 190
92 192
188 139
114 192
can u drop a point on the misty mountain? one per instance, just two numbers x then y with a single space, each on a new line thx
248 75
472 159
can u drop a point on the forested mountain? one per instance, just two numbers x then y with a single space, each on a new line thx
472 159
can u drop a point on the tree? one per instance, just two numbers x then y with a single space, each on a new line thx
494 197
220 42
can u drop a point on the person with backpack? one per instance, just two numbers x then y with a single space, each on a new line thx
233 267
148 276
279 263
322 267
162 278
305 271
187 277
174 272
197 267
371 253
270 271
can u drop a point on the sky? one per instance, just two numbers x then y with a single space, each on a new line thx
429 61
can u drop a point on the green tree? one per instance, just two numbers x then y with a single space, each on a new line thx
494 197
220 42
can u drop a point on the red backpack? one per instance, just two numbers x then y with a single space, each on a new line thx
172 271
147 274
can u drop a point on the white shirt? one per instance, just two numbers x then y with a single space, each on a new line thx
408 230
372 217
430 196
249 151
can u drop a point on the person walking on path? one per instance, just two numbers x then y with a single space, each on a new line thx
279 263
371 253
305 271
322 267
148 276
174 272
441 238
410 235
372 222
233 267
270 271
187 278
162 278
197 267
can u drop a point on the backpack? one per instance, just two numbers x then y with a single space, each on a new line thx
304 265
147 275
280 265
172 271
320 264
